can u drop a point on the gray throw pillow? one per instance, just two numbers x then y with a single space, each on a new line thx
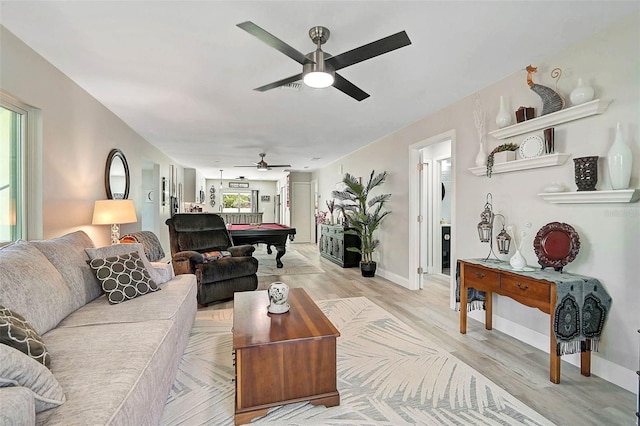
125 248
123 277
16 332
17 369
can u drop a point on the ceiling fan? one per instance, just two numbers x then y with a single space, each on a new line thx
262 165
319 67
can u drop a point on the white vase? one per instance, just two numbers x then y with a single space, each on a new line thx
481 156
504 117
582 93
517 261
278 297
619 160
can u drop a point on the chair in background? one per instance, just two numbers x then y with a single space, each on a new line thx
193 237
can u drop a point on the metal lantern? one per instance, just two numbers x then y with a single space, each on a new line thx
504 240
485 227
485 230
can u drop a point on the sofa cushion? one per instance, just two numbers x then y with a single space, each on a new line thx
17 406
123 277
67 254
16 332
33 287
125 248
165 304
17 369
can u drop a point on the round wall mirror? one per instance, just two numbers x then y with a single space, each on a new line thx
116 176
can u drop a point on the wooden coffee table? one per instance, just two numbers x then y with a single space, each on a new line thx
282 358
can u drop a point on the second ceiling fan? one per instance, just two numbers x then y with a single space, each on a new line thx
318 67
263 166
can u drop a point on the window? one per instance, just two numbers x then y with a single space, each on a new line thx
236 202
19 126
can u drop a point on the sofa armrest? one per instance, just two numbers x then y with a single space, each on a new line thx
185 262
242 250
17 406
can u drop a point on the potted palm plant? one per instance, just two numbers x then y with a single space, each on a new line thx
364 215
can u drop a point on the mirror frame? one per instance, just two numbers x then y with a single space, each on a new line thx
116 153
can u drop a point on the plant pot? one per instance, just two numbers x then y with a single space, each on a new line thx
368 269
503 157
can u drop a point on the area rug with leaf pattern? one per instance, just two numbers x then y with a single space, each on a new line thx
293 263
388 374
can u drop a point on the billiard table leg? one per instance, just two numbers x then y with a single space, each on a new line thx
281 251
269 250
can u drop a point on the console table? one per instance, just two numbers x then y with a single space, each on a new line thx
527 290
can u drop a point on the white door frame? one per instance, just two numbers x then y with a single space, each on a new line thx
415 279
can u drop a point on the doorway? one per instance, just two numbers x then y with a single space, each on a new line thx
432 203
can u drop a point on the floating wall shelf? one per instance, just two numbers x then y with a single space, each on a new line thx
577 112
592 197
549 160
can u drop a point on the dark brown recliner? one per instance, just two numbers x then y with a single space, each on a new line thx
190 236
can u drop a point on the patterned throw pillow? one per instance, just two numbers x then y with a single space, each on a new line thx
215 255
16 332
123 277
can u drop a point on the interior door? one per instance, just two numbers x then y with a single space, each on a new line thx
301 211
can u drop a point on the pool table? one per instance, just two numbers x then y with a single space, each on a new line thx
271 234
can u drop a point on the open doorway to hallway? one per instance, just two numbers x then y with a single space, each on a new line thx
432 204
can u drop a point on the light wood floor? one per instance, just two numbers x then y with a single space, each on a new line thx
517 367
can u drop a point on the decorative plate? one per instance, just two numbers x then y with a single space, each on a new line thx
531 146
556 244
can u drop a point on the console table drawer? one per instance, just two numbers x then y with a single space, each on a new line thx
481 278
525 288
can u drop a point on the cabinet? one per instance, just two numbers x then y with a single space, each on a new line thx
334 244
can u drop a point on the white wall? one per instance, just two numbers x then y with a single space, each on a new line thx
609 233
77 134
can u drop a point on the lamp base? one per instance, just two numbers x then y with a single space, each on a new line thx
115 234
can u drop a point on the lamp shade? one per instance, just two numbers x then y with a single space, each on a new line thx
109 212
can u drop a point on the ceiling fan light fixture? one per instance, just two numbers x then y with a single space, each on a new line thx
318 74
318 79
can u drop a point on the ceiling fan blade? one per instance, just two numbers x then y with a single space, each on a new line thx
245 166
275 42
279 165
371 50
279 83
348 88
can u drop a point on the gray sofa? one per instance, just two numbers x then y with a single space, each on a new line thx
115 364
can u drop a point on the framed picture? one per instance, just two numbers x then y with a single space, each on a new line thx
238 184
265 198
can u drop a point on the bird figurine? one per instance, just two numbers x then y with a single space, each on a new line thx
551 100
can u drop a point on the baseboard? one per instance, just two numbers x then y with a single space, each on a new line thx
394 278
613 373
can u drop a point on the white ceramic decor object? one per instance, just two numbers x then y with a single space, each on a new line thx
481 156
278 297
518 262
532 146
582 93
503 157
619 159
504 117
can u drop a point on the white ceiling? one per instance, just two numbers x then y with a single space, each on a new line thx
181 73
